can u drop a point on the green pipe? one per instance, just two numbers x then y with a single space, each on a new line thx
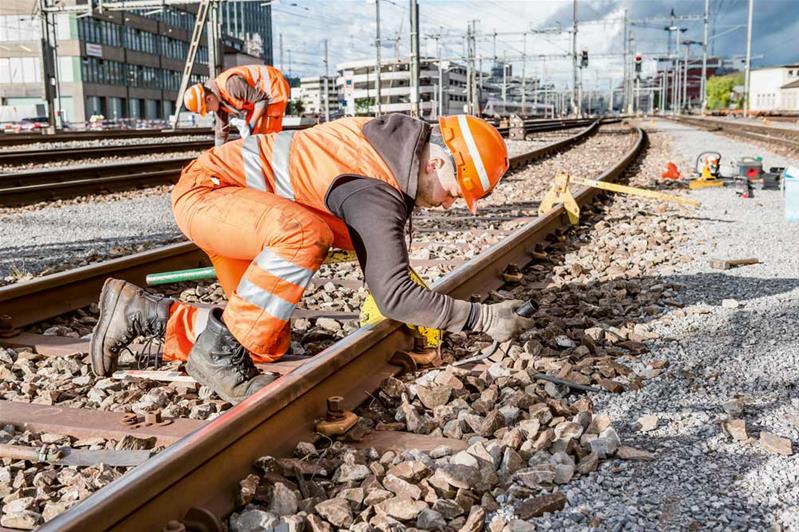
180 276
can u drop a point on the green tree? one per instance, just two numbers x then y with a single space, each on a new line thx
295 108
719 90
363 105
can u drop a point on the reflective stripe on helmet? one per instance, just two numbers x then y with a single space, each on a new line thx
280 164
473 152
253 171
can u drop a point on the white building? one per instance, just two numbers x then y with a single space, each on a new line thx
357 86
774 89
311 93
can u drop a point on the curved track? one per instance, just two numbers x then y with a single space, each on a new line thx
196 479
779 136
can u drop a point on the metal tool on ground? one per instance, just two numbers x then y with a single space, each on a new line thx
560 192
74 457
722 264
335 256
526 311
708 169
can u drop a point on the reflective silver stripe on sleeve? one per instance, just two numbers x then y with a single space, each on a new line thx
255 295
473 152
253 171
280 164
270 262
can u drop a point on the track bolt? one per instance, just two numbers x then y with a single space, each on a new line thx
7 326
129 419
151 418
512 274
334 410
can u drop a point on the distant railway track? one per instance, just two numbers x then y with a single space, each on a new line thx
97 152
32 186
779 136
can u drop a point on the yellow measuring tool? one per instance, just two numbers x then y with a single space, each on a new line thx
561 193
369 311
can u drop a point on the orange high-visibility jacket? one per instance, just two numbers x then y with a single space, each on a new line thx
302 165
265 78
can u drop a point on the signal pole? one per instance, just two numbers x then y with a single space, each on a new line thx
574 59
703 90
48 67
378 67
327 93
414 6
748 59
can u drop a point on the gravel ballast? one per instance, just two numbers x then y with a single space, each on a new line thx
733 361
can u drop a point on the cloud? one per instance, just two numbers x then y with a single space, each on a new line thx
349 27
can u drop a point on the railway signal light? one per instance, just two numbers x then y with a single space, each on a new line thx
584 59
638 60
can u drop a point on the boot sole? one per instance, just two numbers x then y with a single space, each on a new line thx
98 336
203 379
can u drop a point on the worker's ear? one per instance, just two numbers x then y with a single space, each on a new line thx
433 164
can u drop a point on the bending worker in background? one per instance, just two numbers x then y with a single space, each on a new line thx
251 98
267 209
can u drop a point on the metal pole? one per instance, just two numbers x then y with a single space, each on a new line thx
524 72
215 50
703 89
685 102
504 83
327 96
440 79
414 6
281 52
378 67
48 70
574 58
469 68
748 58
625 85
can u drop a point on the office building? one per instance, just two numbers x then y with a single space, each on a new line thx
119 64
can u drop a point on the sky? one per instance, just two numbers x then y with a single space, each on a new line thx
349 28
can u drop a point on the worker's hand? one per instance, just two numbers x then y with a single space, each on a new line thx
242 126
500 320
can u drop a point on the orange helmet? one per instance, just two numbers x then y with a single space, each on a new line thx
194 99
479 153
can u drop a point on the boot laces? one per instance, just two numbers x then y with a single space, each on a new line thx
242 363
152 330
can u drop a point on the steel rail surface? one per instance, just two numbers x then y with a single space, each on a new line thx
51 295
15 139
90 152
781 136
202 470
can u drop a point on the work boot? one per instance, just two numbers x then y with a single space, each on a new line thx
126 312
220 362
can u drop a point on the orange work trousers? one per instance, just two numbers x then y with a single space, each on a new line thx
265 250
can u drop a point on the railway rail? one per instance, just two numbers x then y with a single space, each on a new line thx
59 183
196 478
783 137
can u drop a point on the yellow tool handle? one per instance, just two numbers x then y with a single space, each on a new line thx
613 187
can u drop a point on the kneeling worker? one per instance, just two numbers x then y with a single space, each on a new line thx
266 210
251 98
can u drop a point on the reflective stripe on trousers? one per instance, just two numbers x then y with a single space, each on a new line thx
253 164
279 305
